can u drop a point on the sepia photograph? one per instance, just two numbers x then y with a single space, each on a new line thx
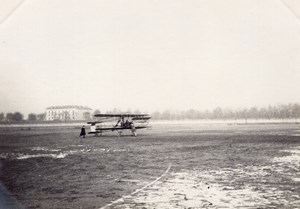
149 104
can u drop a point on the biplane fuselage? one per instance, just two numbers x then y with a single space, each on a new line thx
119 123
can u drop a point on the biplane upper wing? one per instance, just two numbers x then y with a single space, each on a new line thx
144 116
94 122
141 118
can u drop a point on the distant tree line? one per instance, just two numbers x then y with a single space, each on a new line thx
289 111
283 111
19 117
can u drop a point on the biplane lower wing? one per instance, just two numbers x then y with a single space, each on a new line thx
120 128
99 130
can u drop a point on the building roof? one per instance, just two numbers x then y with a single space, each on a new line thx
68 107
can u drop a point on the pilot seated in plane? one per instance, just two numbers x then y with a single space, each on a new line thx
129 124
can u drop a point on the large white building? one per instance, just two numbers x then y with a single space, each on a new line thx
67 113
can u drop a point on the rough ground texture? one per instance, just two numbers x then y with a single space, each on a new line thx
212 166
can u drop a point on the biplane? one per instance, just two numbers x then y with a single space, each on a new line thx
119 123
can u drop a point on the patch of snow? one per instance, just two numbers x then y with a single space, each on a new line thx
25 156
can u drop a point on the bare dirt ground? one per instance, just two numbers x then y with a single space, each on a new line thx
170 166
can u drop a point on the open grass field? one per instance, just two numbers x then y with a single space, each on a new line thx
170 166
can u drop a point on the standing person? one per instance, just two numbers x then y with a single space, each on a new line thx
82 133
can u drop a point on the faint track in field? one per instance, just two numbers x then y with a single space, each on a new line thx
120 200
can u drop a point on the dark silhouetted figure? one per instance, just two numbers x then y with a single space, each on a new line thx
82 133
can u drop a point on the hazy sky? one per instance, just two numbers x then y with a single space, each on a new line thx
149 54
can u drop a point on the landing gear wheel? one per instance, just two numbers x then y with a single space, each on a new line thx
133 133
